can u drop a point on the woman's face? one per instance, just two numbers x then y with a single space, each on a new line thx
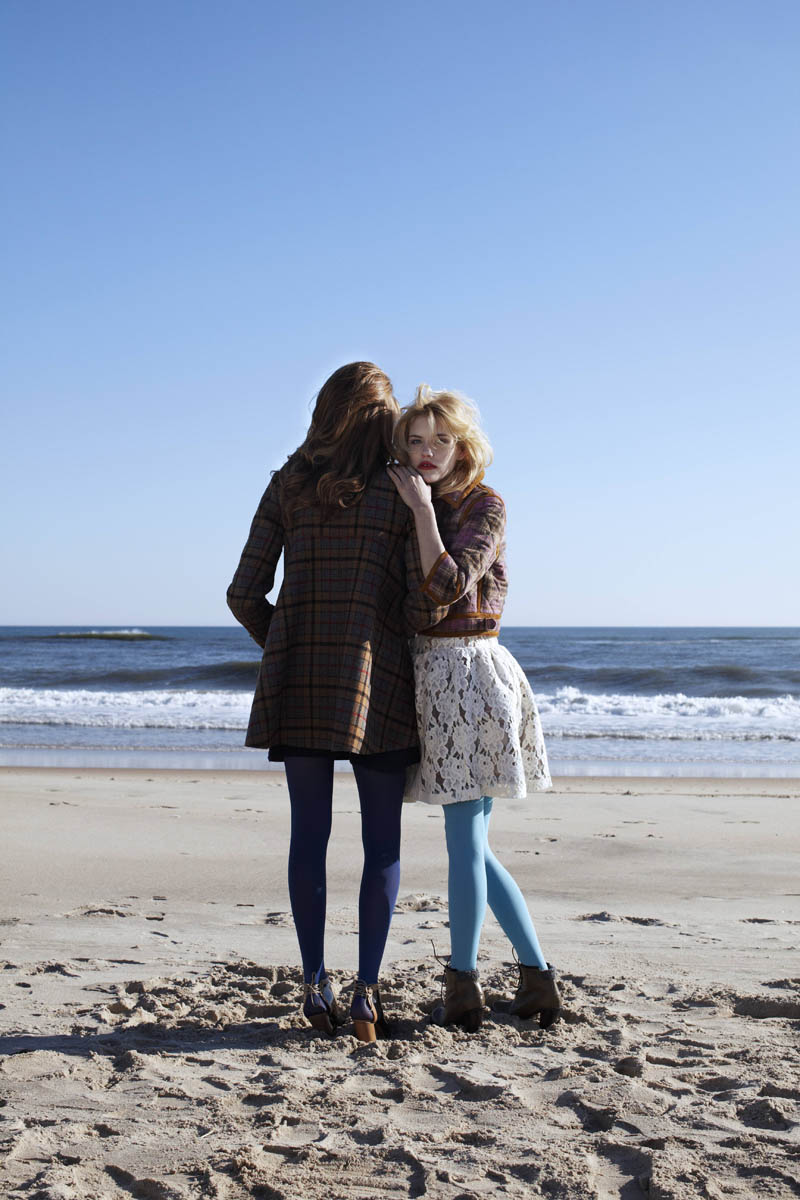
432 450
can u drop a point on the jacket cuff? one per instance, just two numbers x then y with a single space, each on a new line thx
428 586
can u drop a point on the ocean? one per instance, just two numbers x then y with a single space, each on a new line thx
616 701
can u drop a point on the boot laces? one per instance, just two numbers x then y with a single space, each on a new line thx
443 962
315 990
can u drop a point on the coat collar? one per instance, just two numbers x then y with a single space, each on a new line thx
454 499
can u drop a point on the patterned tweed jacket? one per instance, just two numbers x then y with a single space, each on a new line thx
336 671
468 581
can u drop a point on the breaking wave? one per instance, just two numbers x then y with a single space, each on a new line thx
567 712
118 635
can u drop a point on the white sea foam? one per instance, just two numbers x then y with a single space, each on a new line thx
125 710
122 634
568 713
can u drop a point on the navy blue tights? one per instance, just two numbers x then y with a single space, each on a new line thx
381 797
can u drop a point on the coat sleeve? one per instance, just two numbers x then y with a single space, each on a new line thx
419 611
255 574
471 552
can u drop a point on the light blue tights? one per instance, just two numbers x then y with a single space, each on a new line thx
475 877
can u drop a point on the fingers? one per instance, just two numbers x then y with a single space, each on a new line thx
401 481
403 477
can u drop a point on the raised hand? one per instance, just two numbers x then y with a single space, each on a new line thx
412 487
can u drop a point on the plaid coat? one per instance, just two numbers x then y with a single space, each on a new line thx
336 671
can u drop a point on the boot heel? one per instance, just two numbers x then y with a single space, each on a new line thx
536 993
471 1021
322 1022
366 1013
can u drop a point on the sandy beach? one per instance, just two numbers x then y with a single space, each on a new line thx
152 1045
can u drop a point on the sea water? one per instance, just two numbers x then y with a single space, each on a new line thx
671 701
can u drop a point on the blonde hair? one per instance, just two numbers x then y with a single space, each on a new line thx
462 419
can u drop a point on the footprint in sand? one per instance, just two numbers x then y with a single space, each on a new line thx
721 1083
281 919
151 1188
766 1114
420 902
593 1117
765 1007
104 1131
785 1093
604 915
99 912
462 1087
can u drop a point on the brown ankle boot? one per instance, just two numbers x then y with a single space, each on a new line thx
366 1010
537 993
463 1001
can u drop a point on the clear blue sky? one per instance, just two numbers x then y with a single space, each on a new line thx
584 215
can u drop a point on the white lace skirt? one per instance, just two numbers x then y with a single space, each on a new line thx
479 728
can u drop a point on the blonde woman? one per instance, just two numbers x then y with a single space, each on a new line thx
480 734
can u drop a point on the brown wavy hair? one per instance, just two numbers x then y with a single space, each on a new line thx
348 441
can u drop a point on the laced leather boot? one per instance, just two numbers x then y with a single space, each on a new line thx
320 1007
366 1011
537 993
463 1001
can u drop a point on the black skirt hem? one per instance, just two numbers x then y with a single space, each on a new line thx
385 760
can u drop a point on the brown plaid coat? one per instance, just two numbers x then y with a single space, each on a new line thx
336 671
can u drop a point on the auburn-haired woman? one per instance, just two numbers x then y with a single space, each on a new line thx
336 680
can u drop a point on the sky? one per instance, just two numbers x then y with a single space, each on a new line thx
583 215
